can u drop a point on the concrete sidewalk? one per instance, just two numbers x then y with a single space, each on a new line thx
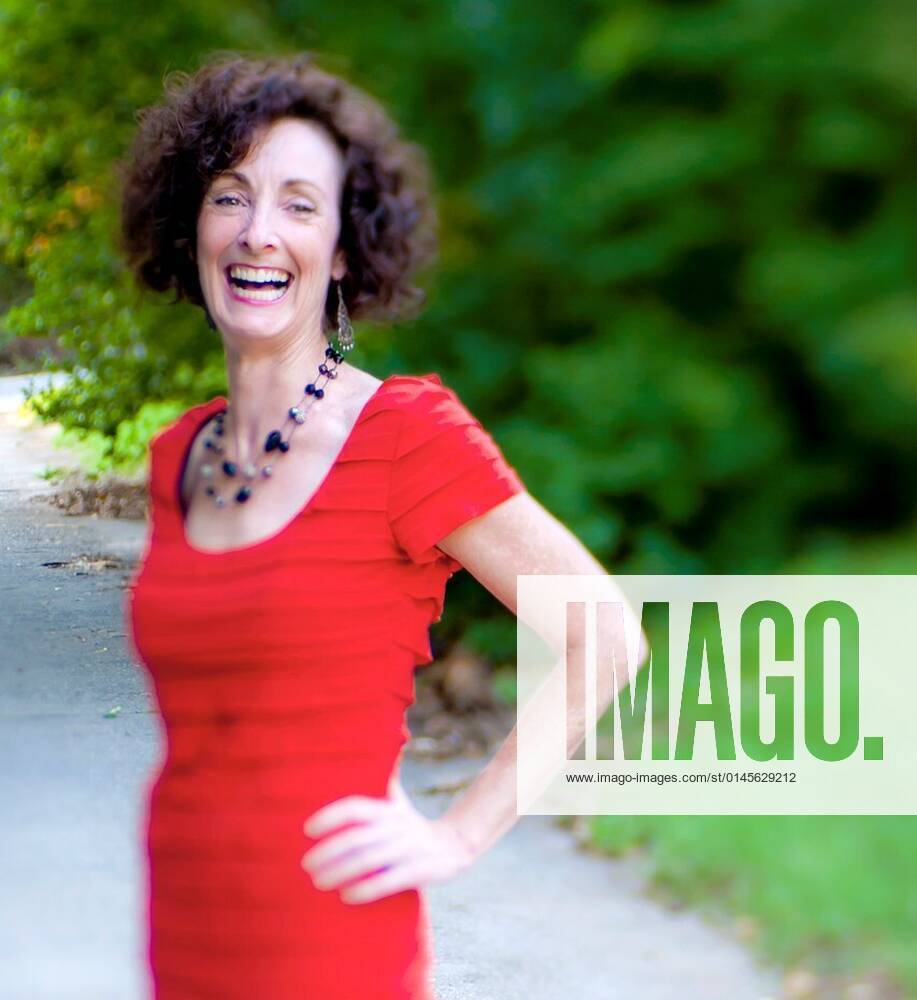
534 918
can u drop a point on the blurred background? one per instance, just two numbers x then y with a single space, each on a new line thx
676 283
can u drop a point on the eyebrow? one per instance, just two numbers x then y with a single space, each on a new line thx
290 182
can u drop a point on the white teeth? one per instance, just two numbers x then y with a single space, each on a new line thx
261 274
261 294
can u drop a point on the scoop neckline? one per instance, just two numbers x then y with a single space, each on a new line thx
209 410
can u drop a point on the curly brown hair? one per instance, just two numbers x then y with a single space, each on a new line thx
206 125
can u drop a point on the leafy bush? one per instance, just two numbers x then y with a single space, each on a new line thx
677 247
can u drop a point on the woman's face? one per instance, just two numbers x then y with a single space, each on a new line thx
267 233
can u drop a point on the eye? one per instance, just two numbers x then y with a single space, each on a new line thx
226 199
301 206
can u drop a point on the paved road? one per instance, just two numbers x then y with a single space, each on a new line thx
534 918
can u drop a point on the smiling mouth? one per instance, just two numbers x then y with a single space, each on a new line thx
258 284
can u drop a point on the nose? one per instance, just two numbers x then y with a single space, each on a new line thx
257 233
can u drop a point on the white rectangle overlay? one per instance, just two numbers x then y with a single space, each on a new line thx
762 695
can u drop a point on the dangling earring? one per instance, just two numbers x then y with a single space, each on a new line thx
344 327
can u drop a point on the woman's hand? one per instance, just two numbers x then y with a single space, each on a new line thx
391 835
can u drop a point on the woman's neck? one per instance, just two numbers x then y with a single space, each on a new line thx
263 386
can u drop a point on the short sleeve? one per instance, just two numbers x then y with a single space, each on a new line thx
447 470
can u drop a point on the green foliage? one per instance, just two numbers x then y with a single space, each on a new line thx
677 246
124 454
72 87
503 685
676 260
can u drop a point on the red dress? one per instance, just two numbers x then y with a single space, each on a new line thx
282 671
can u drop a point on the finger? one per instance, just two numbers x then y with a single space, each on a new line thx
360 865
350 808
407 875
336 844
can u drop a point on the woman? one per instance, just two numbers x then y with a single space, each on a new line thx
302 533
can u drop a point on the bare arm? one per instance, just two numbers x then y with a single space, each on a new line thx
514 538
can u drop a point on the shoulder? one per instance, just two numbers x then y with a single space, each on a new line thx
426 411
424 399
415 391
431 421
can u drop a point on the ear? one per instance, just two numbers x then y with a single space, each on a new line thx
339 265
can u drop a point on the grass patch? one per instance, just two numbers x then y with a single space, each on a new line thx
835 892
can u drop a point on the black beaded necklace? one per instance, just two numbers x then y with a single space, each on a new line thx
275 441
